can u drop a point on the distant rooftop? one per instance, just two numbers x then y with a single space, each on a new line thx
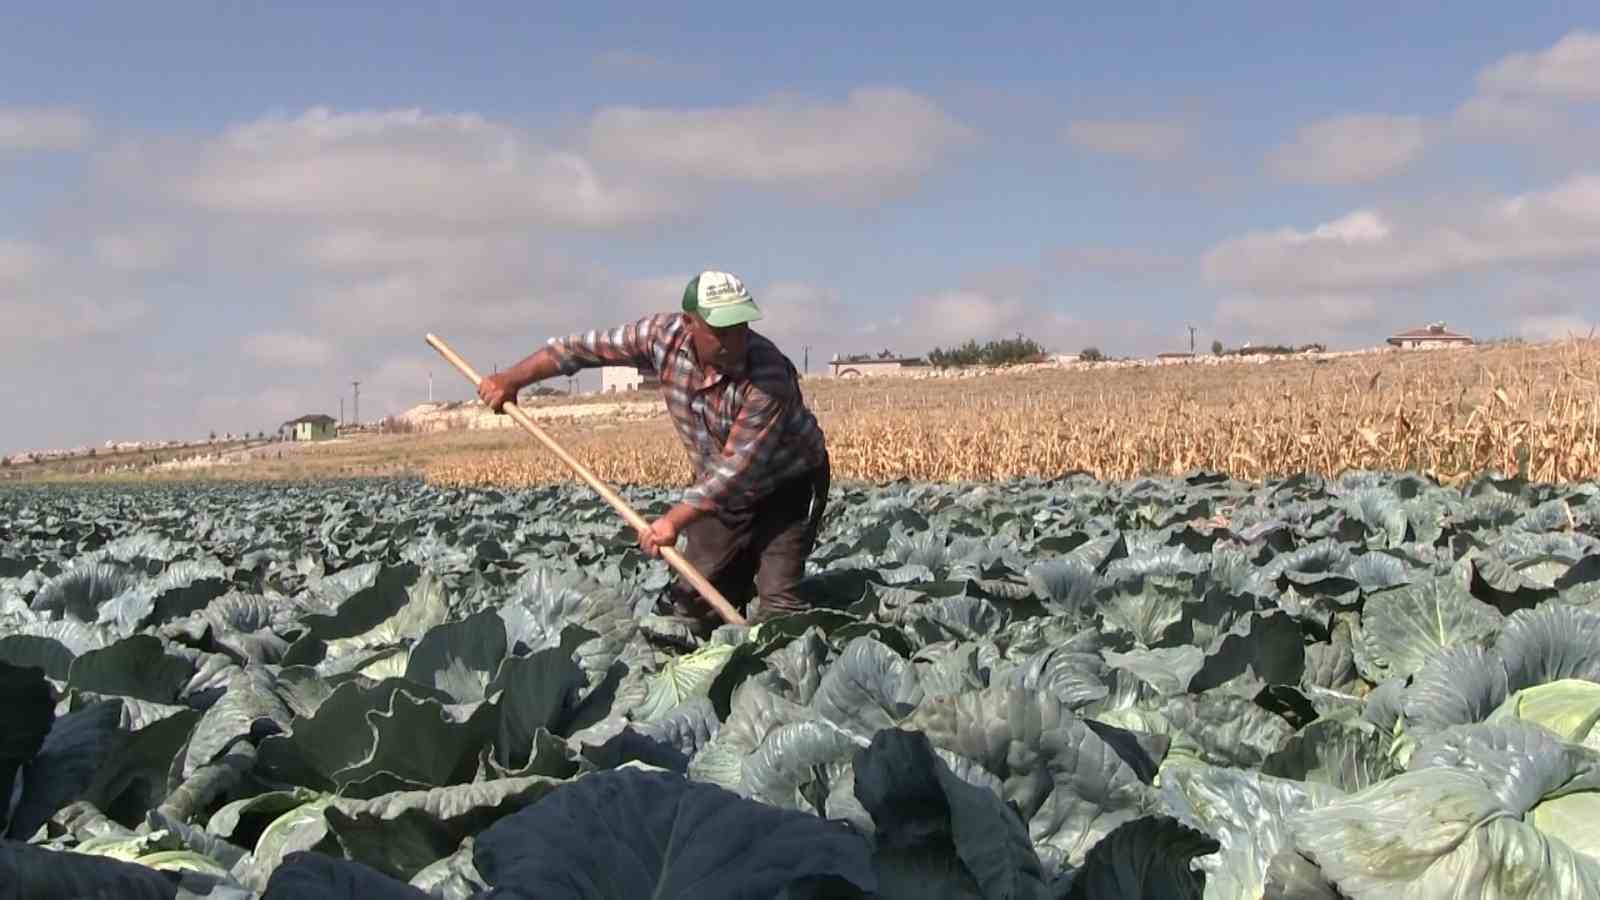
885 356
1435 331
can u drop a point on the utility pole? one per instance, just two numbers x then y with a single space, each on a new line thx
430 385
1191 340
355 415
808 359
341 412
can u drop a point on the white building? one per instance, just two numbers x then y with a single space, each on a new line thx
619 379
1435 335
865 365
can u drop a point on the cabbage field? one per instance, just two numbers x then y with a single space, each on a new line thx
1186 687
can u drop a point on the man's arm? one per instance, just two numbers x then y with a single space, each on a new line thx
538 366
623 345
502 387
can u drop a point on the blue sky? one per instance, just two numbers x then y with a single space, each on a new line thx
217 215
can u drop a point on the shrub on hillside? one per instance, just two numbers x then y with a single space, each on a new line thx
1003 352
1278 350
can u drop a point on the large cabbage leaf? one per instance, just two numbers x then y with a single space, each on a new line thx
1470 818
633 833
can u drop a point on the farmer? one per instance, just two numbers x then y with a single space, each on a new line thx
760 460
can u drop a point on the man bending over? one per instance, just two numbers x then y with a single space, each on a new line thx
760 459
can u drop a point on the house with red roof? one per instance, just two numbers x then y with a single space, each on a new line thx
1435 335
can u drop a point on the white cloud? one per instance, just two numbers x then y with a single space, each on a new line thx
410 370
950 318
1512 118
44 299
373 175
1525 254
877 138
960 314
263 410
370 226
400 382
360 249
1568 69
403 166
393 222
1356 149
27 129
1550 328
32 320
802 312
497 287
288 349
1370 249
1299 319
1535 99
1146 140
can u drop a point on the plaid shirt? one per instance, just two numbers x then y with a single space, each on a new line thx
745 434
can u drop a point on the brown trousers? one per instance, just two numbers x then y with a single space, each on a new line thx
761 551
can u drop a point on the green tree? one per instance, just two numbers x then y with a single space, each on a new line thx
1216 348
1003 352
1091 354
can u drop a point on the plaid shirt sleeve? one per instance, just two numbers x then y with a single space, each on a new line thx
630 344
755 435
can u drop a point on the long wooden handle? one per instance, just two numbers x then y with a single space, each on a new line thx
670 554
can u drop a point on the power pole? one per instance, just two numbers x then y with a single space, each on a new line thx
430 385
1191 340
341 411
355 415
808 359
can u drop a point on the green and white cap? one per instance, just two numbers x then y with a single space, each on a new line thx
720 299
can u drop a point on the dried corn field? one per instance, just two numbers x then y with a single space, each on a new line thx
1447 414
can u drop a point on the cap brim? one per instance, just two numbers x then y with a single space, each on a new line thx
724 316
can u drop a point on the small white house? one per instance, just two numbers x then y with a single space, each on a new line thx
619 379
316 427
883 364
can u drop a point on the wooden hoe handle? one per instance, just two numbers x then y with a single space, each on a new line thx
671 554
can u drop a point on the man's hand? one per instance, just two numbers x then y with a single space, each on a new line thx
495 390
663 532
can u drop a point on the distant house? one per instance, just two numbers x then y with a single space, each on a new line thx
1435 335
616 379
884 363
315 427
